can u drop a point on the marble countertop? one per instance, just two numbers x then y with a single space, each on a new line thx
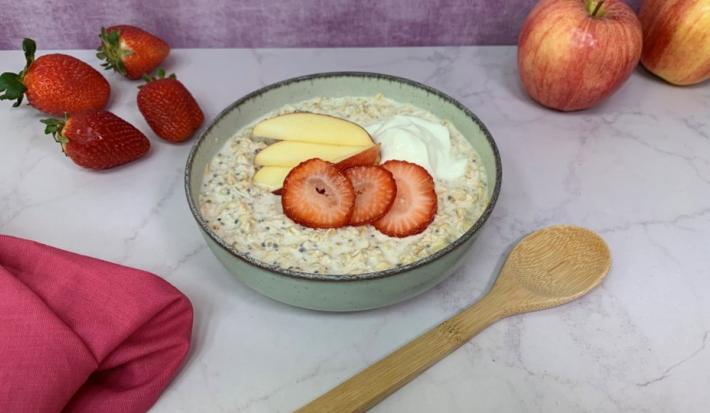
636 169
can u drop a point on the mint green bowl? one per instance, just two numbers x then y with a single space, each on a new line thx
337 292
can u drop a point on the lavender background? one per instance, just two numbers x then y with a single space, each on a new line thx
269 23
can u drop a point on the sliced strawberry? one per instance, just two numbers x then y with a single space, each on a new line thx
375 191
370 156
414 206
316 195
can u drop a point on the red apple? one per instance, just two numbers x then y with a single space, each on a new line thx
574 53
676 39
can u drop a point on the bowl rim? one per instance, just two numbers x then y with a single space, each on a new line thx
345 277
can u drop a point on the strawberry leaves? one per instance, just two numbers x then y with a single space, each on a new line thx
11 84
111 51
55 127
12 88
159 74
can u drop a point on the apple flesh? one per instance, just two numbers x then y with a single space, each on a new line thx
291 153
370 156
676 40
313 128
272 177
574 53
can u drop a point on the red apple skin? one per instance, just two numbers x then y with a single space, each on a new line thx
370 156
676 40
569 60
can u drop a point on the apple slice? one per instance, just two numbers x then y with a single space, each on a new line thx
314 128
272 177
291 153
370 156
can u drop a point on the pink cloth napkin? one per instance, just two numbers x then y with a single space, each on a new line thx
82 335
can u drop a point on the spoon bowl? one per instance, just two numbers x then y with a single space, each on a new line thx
547 268
554 266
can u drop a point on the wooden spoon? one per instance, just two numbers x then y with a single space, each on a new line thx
547 268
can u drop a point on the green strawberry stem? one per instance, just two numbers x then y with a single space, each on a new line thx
11 84
55 127
111 51
159 74
29 47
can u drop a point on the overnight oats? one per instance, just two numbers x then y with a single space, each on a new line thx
374 185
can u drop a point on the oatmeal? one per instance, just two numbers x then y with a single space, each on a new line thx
250 219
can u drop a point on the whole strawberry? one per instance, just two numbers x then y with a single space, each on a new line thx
55 83
169 108
130 50
98 139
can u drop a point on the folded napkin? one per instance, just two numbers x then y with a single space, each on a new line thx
82 335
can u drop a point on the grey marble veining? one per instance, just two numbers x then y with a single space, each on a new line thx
636 168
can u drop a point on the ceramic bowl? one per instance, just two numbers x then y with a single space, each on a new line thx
341 292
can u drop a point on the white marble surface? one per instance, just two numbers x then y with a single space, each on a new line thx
636 169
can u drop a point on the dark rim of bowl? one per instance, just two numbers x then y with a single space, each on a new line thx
346 277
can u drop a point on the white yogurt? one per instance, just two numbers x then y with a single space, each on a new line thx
416 140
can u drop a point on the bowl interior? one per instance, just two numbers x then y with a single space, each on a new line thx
251 107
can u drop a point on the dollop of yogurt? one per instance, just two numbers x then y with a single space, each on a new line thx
417 140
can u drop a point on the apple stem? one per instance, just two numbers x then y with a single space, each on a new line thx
596 9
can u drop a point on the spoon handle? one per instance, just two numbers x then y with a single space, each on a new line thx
370 386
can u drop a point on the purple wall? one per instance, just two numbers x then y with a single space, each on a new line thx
269 23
